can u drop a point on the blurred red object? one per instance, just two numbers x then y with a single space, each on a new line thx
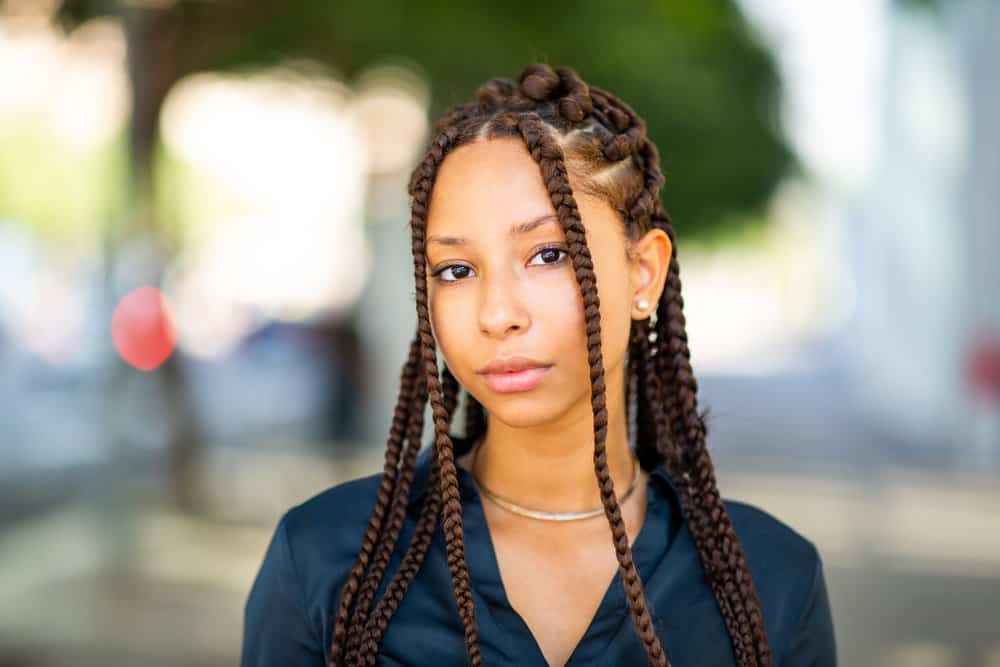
142 328
982 368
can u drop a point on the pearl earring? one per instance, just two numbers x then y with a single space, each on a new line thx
642 304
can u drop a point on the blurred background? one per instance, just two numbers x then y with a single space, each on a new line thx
206 287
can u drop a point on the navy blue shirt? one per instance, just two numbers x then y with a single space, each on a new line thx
291 607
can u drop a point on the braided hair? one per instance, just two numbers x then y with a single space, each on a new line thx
564 123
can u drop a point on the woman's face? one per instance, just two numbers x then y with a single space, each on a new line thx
496 291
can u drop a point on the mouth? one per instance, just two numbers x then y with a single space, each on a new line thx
516 381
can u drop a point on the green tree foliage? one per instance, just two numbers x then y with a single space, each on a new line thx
695 71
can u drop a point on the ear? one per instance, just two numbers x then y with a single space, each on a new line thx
648 274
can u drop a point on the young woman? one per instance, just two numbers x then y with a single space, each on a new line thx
547 275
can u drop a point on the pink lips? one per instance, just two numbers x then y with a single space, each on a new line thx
523 380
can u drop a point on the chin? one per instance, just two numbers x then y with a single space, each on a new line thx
524 410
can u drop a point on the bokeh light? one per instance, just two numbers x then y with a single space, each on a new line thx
278 232
142 328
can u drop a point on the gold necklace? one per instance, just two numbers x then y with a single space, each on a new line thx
549 516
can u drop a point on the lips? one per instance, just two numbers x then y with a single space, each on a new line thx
514 374
511 365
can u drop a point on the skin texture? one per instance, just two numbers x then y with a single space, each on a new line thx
509 295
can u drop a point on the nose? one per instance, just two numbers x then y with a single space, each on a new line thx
502 309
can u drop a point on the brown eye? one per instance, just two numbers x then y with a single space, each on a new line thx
551 255
456 271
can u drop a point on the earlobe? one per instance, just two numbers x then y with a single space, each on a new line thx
652 262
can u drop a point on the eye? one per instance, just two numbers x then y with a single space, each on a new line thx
459 268
552 253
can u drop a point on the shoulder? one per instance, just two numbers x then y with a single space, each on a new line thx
323 535
308 559
771 541
787 571
338 507
333 520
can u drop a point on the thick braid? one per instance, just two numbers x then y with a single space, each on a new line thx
653 419
741 608
404 412
548 155
646 435
675 357
719 548
420 543
697 503
681 408
445 450
630 391
619 116
652 385
450 388
632 142
394 526
454 534
671 340
401 417
718 545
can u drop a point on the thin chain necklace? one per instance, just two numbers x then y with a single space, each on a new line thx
549 516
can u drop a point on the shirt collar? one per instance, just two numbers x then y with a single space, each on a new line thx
418 489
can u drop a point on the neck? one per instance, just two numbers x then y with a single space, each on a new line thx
551 467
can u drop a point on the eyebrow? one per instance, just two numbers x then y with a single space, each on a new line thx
519 228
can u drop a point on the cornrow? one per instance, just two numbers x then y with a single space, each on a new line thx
558 117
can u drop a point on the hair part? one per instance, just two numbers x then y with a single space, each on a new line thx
568 128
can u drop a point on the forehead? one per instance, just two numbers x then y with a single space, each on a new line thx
483 189
496 179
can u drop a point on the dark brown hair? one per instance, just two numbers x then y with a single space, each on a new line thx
565 124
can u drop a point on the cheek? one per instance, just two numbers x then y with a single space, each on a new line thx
559 315
567 314
450 326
